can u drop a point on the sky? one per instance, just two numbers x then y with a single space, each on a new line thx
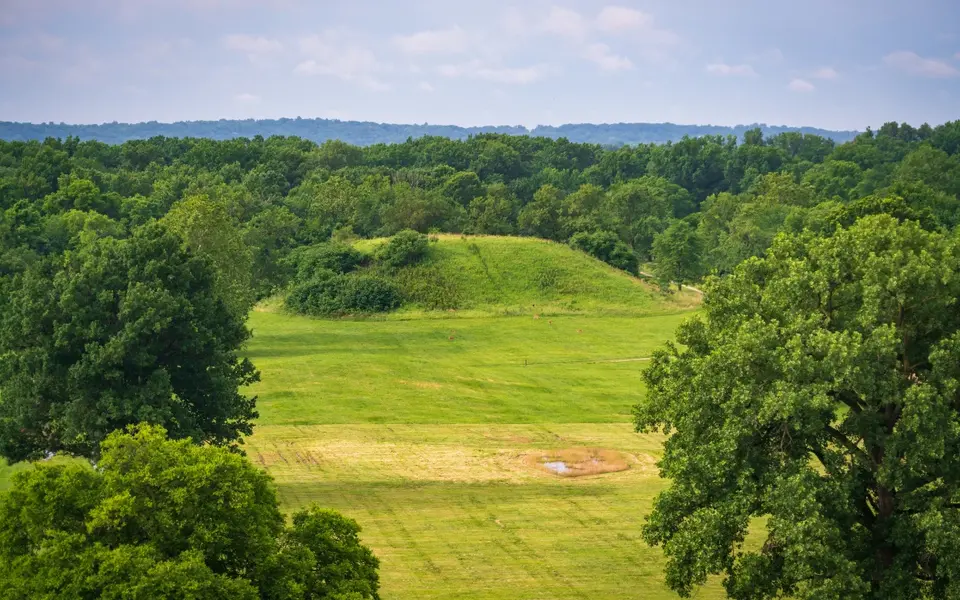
839 64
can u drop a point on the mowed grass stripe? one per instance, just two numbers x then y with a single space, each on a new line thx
578 369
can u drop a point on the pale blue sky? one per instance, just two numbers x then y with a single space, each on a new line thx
828 63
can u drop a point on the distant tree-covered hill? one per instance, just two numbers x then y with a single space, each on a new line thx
365 133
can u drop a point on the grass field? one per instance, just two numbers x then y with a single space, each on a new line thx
430 428
425 441
427 427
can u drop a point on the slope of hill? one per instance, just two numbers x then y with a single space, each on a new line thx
363 133
502 276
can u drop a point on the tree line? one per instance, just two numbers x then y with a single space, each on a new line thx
713 200
364 133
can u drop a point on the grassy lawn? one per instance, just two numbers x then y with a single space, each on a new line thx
495 370
426 441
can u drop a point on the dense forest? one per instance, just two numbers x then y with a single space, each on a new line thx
694 207
365 133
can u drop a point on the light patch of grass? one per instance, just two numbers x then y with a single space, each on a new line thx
456 511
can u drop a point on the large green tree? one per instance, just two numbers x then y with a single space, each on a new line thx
677 255
816 402
207 230
115 333
161 519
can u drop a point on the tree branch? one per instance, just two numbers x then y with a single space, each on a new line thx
850 446
849 400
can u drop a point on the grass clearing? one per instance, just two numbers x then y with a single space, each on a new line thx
434 446
431 428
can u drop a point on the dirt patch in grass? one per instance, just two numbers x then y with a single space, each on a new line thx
578 462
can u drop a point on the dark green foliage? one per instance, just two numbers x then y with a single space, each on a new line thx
608 247
405 248
115 333
819 392
168 519
328 256
368 293
463 187
329 293
282 193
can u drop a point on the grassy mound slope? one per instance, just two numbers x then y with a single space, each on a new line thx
496 275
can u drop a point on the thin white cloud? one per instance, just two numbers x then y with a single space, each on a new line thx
425 86
442 41
566 23
725 70
825 73
957 56
251 45
617 19
476 69
647 41
247 98
801 85
914 64
333 53
601 55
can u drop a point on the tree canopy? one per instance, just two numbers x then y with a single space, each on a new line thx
816 401
115 333
160 519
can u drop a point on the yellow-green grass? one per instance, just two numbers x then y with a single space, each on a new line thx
425 442
561 369
454 511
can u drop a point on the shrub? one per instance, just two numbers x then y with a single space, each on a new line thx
405 248
369 293
331 293
328 256
608 247
318 296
